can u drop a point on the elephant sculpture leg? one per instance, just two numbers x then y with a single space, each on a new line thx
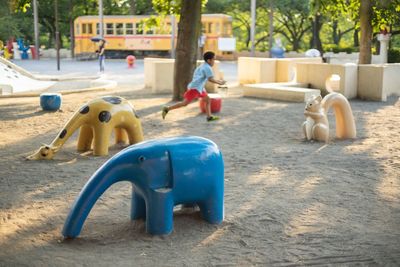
138 207
212 210
121 136
85 138
160 212
101 141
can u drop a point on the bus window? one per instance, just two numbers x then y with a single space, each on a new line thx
139 28
129 28
89 28
209 27
110 28
119 30
77 29
84 28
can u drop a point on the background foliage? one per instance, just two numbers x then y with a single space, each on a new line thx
300 24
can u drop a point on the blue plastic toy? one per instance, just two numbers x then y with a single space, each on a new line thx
164 173
50 101
23 48
277 52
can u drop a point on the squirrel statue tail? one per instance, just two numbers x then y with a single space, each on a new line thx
345 126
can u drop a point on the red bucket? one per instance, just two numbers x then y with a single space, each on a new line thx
216 103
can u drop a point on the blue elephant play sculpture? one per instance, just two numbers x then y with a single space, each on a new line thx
164 173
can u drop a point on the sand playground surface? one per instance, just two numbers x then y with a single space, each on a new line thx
288 202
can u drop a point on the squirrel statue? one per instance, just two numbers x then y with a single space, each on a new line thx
316 126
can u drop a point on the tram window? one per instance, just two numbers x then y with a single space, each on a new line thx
129 28
228 28
150 31
84 28
139 28
98 28
203 28
217 30
77 29
209 27
110 28
119 29
89 28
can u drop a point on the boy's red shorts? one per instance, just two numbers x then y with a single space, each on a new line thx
192 94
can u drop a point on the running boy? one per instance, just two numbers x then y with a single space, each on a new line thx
195 89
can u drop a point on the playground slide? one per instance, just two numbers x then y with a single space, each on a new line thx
14 79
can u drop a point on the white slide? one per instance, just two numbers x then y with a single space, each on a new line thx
14 80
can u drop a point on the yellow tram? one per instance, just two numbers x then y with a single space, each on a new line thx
132 35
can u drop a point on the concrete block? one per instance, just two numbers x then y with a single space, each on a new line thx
377 82
286 68
159 75
284 93
256 70
317 75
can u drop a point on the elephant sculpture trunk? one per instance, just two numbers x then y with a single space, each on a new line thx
164 173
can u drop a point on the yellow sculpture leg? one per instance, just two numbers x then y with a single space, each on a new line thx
121 136
85 138
97 120
100 142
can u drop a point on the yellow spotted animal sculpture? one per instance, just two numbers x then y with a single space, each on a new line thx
316 126
96 120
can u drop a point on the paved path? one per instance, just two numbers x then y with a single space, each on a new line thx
115 69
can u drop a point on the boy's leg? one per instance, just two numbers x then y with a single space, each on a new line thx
188 97
210 117
166 109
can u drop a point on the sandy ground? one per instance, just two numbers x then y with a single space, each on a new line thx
287 202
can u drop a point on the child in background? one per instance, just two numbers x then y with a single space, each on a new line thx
195 89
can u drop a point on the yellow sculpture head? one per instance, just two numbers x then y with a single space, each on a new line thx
314 104
44 152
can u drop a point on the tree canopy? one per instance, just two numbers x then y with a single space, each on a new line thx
329 25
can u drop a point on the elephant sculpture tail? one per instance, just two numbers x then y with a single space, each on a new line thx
91 192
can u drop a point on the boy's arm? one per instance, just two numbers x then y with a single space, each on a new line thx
220 82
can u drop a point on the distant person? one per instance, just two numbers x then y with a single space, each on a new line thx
101 53
195 89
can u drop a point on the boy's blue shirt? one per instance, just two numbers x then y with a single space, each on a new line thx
200 77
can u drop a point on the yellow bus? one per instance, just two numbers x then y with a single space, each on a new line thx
131 35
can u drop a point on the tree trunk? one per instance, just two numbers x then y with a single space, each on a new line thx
187 43
132 8
316 40
296 44
335 34
366 32
355 38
